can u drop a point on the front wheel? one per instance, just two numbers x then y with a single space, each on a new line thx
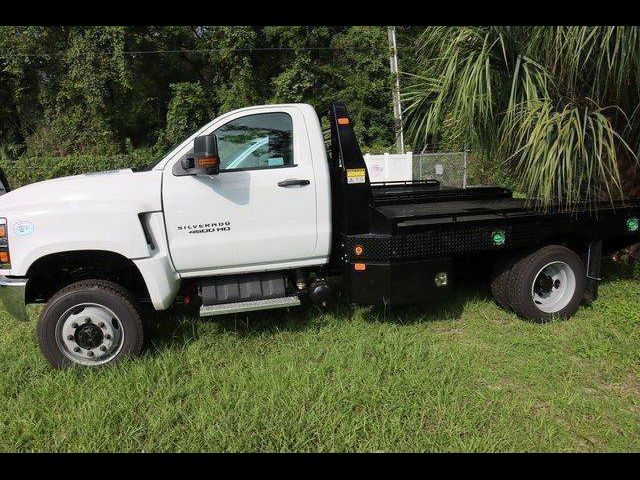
546 284
89 323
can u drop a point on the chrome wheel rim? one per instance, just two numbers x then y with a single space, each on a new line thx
89 334
553 287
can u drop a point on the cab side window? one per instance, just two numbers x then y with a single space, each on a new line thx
263 140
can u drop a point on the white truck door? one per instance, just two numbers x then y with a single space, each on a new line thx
259 212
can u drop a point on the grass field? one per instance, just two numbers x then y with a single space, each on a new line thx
458 375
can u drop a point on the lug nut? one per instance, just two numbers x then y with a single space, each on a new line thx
103 348
77 349
101 324
107 336
90 353
69 337
87 320
74 325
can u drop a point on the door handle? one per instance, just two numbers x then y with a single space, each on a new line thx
292 182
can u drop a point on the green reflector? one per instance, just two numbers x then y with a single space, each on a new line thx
498 237
632 224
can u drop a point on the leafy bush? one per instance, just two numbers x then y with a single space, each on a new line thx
636 269
28 169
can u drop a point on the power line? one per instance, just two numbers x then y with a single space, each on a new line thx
203 50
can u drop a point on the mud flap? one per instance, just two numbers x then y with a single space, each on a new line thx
592 263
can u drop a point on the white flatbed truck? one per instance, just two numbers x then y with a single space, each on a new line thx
256 210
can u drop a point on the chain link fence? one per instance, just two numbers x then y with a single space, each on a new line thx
449 168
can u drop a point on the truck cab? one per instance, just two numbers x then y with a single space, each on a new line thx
258 210
267 208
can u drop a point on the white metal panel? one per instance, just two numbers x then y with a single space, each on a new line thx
83 212
389 167
323 182
157 271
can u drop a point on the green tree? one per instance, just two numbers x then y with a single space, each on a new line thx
30 69
301 72
141 111
102 90
188 110
95 67
229 65
557 105
363 82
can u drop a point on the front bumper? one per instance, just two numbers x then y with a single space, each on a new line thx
12 296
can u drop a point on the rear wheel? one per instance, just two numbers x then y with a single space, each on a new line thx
500 280
89 323
548 283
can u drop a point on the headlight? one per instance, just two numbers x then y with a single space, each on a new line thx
5 261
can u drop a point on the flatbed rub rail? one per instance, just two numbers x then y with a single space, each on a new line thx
428 181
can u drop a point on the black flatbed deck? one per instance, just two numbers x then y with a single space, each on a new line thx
394 241
453 208
412 204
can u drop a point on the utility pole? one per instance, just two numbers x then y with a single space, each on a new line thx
397 107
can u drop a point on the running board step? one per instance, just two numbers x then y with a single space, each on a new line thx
265 304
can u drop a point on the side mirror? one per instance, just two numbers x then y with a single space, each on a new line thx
205 156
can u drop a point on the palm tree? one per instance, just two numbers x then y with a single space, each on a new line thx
559 105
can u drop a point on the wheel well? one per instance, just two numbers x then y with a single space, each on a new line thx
576 243
52 272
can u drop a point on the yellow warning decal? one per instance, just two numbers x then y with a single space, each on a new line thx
355 175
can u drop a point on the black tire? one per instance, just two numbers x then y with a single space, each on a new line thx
524 273
500 280
99 292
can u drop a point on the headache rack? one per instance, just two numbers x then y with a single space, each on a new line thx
354 199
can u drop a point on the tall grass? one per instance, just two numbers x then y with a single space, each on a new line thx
456 375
